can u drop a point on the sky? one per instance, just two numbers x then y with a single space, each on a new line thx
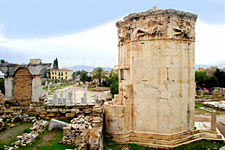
83 32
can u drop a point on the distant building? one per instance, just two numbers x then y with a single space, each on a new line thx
35 61
61 74
209 70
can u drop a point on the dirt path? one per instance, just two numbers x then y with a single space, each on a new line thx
48 139
8 135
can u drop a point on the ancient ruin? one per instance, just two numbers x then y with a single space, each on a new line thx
23 82
155 105
24 95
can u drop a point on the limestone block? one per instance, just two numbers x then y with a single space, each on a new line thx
56 123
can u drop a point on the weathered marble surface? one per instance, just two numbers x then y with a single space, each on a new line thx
156 76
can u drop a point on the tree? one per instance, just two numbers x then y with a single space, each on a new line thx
99 74
211 81
55 64
113 81
200 78
2 61
84 76
220 75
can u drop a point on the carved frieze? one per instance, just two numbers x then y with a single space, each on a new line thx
144 26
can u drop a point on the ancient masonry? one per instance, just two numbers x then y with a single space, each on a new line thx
155 105
23 82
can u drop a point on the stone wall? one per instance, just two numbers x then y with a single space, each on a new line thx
22 86
49 112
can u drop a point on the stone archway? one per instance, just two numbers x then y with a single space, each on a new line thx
22 86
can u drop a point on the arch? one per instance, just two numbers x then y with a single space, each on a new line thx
22 90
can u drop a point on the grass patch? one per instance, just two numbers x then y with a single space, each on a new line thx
45 142
27 130
53 88
13 139
206 96
198 105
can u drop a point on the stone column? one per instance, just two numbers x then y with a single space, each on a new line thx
96 98
83 100
213 120
61 97
55 99
85 94
74 96
36 88
69 95
9 88
47 92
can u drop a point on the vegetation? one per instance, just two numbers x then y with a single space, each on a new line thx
2 61
9 135
204 80
198 105
2 88
83 76
48 140
99 74
55 64
52 88
113 82
27 130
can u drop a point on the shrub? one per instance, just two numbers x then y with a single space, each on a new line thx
27 130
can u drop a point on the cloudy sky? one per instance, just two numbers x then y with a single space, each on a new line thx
83 32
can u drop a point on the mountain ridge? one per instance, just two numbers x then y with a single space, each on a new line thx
88 68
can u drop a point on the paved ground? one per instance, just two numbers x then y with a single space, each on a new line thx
220 121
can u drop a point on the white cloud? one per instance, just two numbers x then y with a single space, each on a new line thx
98 46
210 44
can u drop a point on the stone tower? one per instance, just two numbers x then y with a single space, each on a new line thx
155 104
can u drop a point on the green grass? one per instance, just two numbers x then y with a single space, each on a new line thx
52 145
206 96
27 130
198 105
199 145
52 88
14 139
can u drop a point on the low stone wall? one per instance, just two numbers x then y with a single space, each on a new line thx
49 112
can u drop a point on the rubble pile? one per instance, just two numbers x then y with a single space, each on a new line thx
85 132
77 131
39 126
